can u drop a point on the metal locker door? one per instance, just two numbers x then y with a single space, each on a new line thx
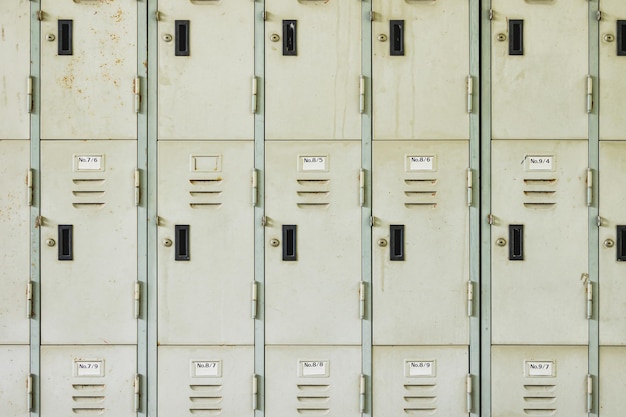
88 242
206 64
89 66
413 380
612 381
312 380
420 64
539 381
15 243
313 251
421 243
539 237
313 68
206 381
14 384
612 67
16 91
88 380
206 235
539 69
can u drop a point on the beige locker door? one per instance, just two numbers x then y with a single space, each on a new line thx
420 91
539 242
15 365
88 242
313 91
15 242
207 93
89 93
206 242
421 213
541 93
612 380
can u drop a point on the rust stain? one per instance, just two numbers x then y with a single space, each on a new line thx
67 81
117 16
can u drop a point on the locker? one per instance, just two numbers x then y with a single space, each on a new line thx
425 380
312 69
206 381
89 242
88 380
208 93
612 381
15 242
539 242
313 253
539 69
312 380
15 70
89 66
539 380
421 298
612 66
206 268
419 80
14 385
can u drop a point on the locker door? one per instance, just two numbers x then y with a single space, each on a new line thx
313 252
539 69
612 380
612 67
539 238
206 64
15 365
14 69
15 242
88 242
421 63
421 243
89 64
312 68
206 235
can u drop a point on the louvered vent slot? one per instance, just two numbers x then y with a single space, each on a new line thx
420 192
313 399
540 400
205 400
205 193
88 399
88 193
540 192
313 193
420 399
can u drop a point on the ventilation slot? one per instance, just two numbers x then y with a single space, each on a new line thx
88 193
540 192
205 193
540 400
420 399
313 193
420 192
205 400
313 400
89 399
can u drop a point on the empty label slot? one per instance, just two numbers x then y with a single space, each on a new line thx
66 244
621 37
290 252
621 243
396 31
182 37
290 45
65 37
516 247
396 246
516 37
182 242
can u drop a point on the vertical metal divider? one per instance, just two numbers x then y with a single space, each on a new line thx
594 161
366 209
474 209
485 208
151 202
259 209
35 209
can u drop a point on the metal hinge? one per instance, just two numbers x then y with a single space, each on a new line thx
29 184
362 188
470 94
372 16
255 187
40 15
371 221
137 392
255 392
137 93
157 16
599 221
264 15
589 187
362 95
599 15
589 393
264 221
29 300
470 187
137 187
490 14
255 297
29 94
362 392
589 94
29 393
137 299
470 298
362 300
254 87
469 388
491 219
589 300
38 221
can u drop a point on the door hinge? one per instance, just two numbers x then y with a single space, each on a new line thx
589 393
469 385
40 15
29 184
490 14
157 16
589 187
372 16
470 186
589 94
255 187
255 87
29 393
137 299
264 221
137 187
362 95
491 219
264 16
255 392
38 221
362 188
362 391
362 300
470 94
599 15
137 392
29 94
589 300
137 93
470 298
29 300
599 221
371 221
255 297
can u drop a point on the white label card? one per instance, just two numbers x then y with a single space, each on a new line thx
540 162
313 163
89 162
206 368
420 368
421 163
314 368
535 368
89 368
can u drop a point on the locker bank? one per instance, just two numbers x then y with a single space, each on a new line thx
276 208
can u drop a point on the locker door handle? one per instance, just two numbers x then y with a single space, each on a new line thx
621 243
66 244
65 29
181 31
621 38
516 37
290 249
516 237
396 31
396 247
290 45
181 233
